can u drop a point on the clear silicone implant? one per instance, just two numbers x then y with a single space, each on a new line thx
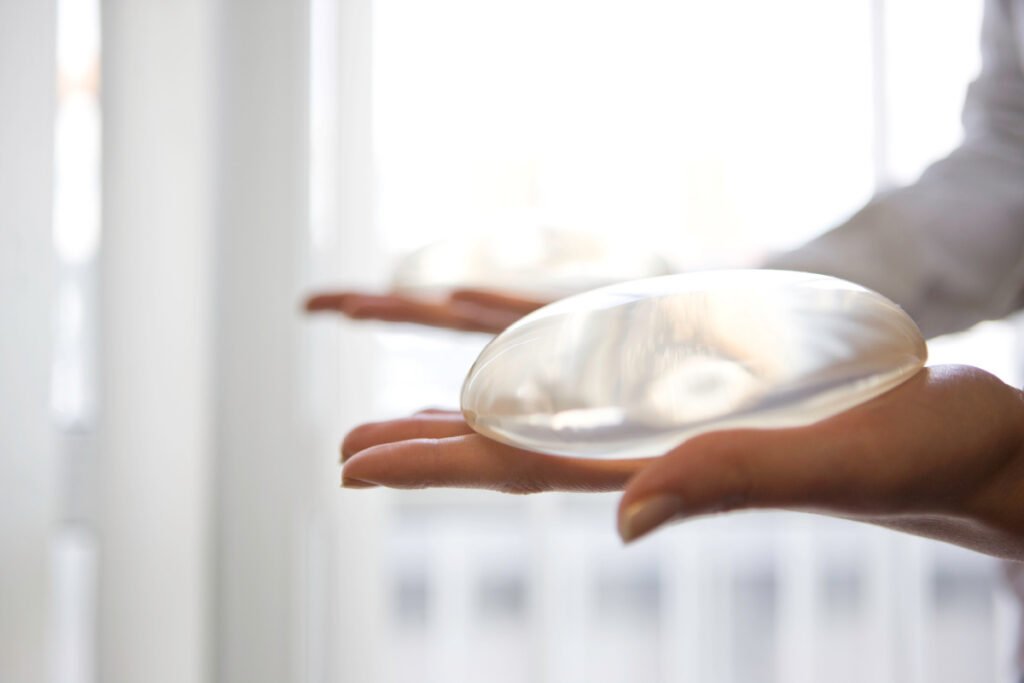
636 368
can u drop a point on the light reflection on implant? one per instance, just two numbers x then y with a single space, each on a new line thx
636 368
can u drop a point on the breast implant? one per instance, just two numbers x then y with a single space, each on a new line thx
636 368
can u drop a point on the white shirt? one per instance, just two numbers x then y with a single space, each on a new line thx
950 248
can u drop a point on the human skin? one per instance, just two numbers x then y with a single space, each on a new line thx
940 456
467 310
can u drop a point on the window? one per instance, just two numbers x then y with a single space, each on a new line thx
76 237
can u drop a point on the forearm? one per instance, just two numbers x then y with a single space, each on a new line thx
947 249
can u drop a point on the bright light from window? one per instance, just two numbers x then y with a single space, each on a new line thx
76 216
76 205
929 65
703 136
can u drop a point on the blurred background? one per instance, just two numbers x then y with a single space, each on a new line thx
175 176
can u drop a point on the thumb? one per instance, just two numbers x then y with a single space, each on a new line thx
733 470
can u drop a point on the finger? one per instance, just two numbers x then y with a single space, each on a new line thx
328 301
421 426
472 461
791 468
861 463
348 302
395 308
496 300
452 314
389 307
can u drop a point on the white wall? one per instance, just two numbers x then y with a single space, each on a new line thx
27 484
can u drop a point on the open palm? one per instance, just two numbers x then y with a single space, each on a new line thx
940 456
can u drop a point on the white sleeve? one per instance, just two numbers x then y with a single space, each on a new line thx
949 248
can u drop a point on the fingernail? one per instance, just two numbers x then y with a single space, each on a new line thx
349 483
644 516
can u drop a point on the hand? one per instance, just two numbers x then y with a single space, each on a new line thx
470 310
437 448
940 456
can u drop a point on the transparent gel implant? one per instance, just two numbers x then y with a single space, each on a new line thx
637 368
543 262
